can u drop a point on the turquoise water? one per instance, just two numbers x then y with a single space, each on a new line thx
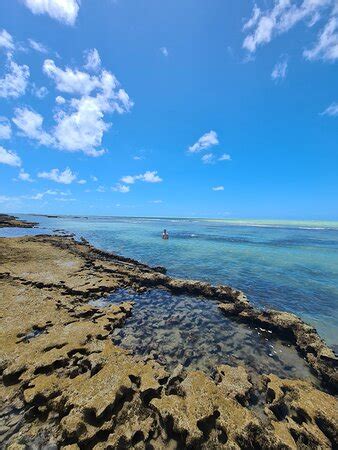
291 266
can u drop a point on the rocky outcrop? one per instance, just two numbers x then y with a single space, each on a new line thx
320 357
65 384
11 221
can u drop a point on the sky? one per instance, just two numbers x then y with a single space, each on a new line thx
192 108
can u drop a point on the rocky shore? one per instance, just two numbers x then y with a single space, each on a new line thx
11 221
64 384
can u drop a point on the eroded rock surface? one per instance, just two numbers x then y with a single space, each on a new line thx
65 384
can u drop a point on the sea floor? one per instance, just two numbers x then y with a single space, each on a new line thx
193 332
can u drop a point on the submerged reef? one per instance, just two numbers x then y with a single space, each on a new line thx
65 384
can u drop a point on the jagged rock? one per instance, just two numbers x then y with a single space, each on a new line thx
234 382
302 416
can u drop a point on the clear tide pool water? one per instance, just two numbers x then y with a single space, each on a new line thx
191 331
291 266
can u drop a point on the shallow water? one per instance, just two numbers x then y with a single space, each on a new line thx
193 332
291 266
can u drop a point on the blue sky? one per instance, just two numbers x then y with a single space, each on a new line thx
169 108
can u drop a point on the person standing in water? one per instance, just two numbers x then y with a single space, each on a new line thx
165 235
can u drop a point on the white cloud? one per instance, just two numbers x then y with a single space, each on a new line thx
24 176
9 157
62 10
279 70
65 177
156 201
256 12
93 60
40 92
37 46
30 123
5 128
326 47
206 141
94 178
82 181
218 188
14 83
224 157
54 193
69 80
81 126
60 100
285 14
164 51
101 189
331 110
148 177
6 40
208 158
38 196
121 188
137 158
81 129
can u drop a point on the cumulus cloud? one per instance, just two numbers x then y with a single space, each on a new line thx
218 188
6 40
25 176
37 46
62 10
60 100
69 80
80 126
30 124
121 188
94 178
164 51
326 47
206 141
331 110
5 128
8 157
263 26
15 81
82 181
93 60
65 177
148 177
279 70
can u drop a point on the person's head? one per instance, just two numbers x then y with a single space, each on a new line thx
165 231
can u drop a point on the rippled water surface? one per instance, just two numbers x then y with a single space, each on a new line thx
193 332
291 266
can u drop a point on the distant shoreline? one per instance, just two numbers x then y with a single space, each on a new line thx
259 223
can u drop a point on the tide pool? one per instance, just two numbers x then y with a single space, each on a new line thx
287 265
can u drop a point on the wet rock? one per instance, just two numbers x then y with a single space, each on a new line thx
234 382
302 416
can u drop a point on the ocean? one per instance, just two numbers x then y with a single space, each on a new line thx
287 265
